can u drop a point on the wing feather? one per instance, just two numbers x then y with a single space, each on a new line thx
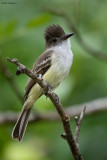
41 65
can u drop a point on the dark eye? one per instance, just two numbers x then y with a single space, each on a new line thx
55 40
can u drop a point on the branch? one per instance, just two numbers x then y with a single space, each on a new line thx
78 124
93 107
7 74
72 27
55 100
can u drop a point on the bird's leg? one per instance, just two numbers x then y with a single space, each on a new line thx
48 89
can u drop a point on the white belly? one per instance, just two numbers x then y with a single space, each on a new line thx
61 64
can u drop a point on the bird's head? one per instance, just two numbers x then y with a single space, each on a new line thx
55 35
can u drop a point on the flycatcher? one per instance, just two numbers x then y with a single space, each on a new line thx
54 65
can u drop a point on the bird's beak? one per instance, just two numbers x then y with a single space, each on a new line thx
67 36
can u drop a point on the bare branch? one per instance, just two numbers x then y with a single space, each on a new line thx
93 107
7 74
98 54
55 100
21 69
78 124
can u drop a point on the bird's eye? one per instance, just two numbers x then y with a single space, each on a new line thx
54 40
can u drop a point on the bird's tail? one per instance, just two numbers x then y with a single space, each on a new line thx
21 124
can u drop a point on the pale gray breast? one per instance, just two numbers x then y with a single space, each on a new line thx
62 61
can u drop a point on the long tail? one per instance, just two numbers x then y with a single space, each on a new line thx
21 124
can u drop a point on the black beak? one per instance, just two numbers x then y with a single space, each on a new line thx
67 36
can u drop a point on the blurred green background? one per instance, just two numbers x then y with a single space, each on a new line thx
22 27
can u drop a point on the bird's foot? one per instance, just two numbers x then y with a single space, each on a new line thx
47 90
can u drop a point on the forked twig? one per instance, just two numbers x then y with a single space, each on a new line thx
78 124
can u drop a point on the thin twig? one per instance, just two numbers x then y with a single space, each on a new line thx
94 52
78 124
55 100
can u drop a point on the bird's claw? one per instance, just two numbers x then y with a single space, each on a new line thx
47 90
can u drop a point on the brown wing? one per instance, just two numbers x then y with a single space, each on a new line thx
41 65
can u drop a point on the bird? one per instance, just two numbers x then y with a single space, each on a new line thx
54 65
